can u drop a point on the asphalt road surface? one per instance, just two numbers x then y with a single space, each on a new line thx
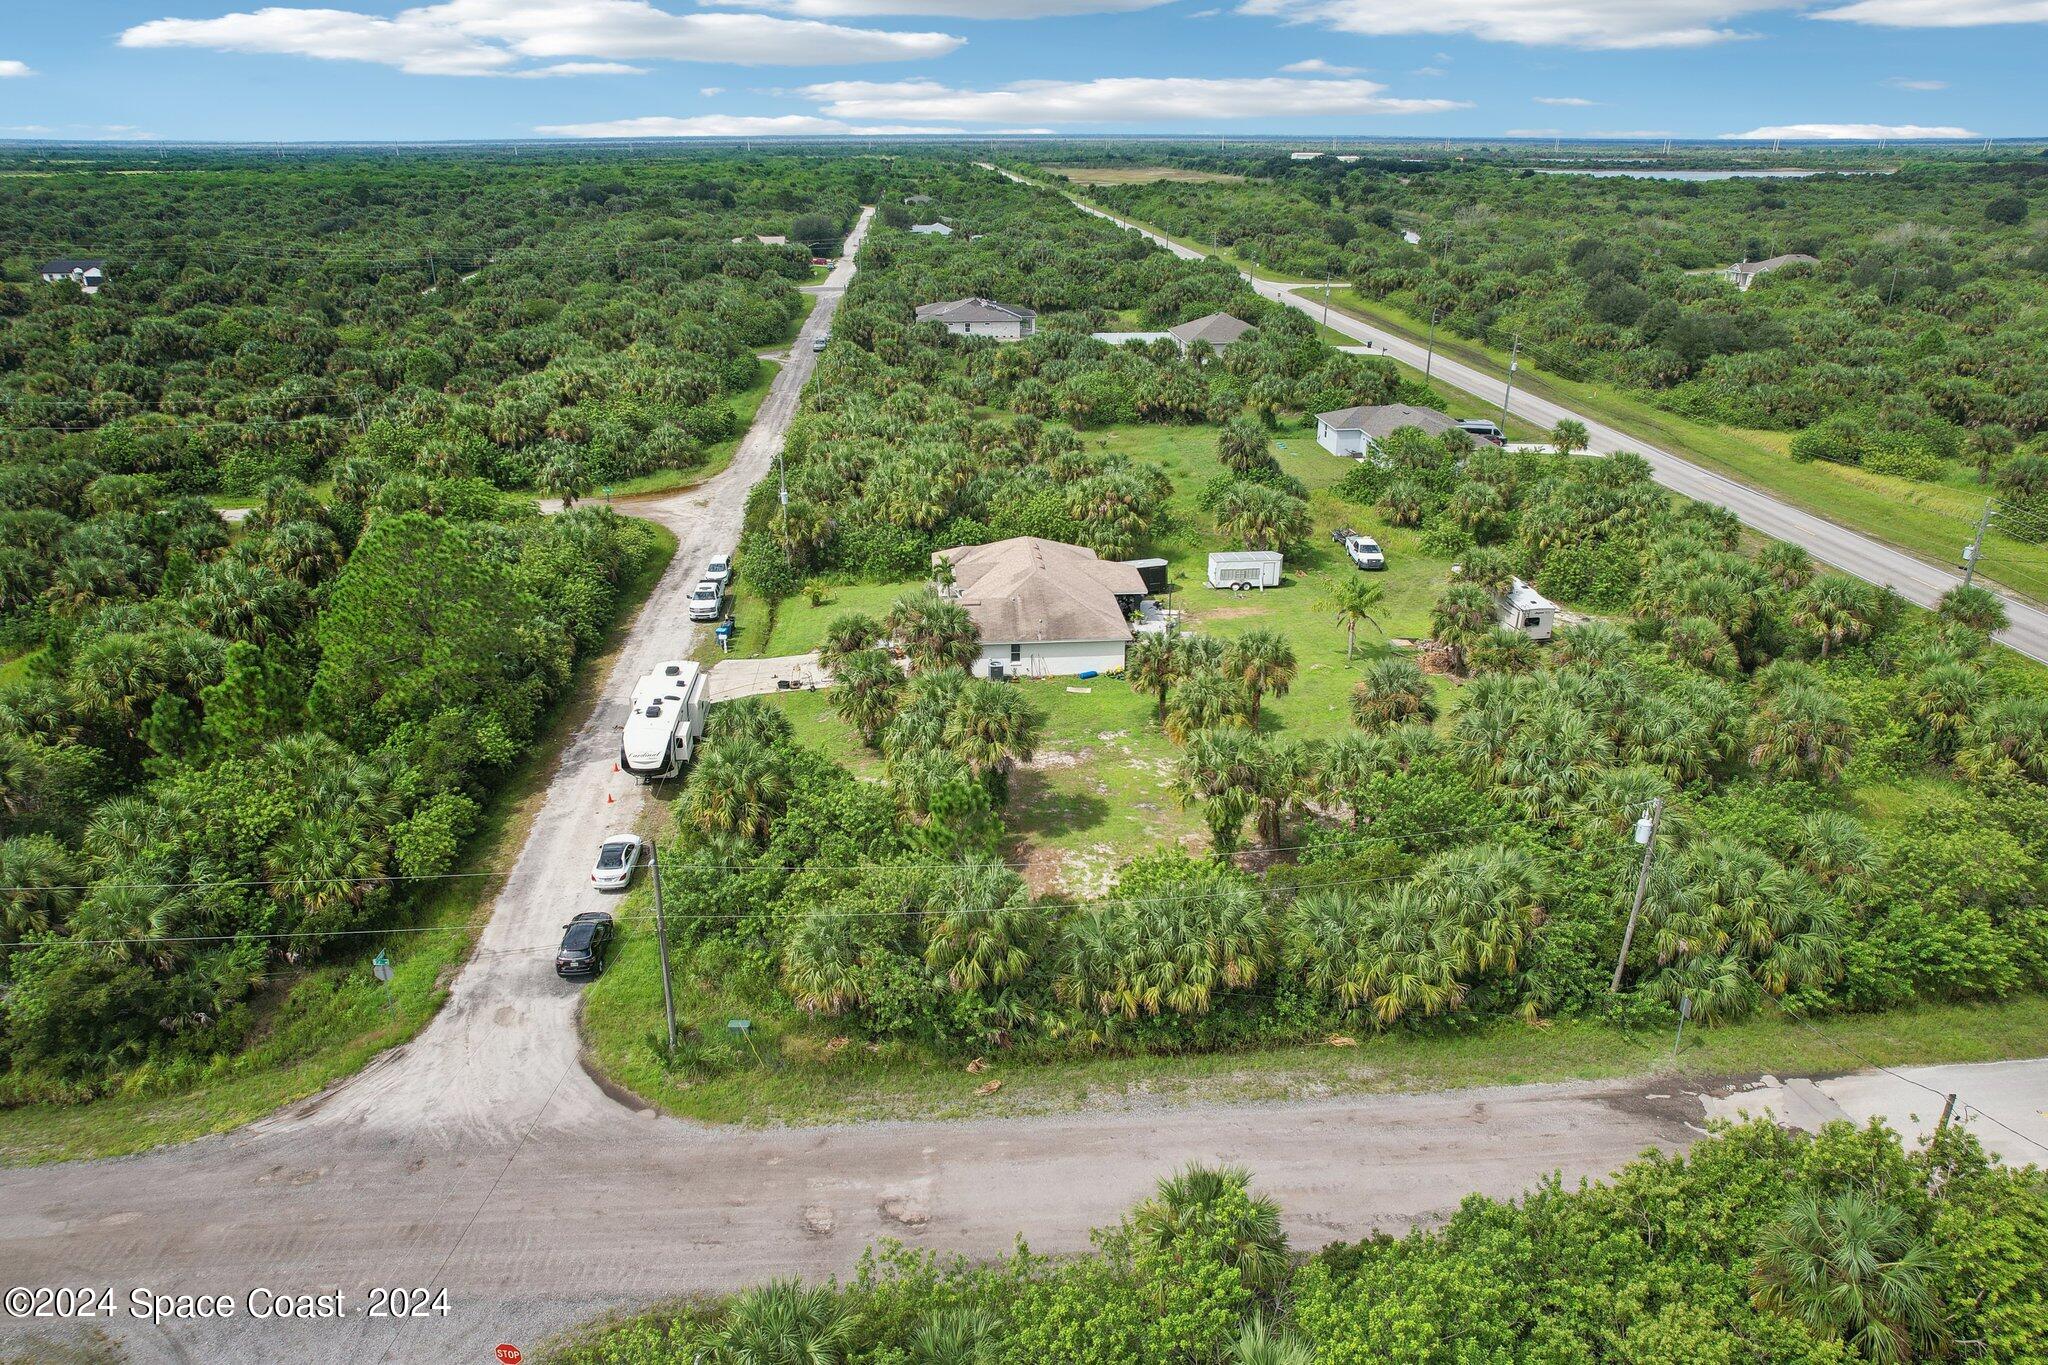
482 1162
1913 578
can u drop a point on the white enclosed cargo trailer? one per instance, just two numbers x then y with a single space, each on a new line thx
666 721
1240 569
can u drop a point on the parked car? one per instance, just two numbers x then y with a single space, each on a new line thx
585 940
707 600
618 858
719 571
1365 552
1485 429
818 341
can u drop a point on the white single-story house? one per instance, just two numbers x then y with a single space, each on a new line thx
981 318
1357 432
1218 329
1524 609
1043 608
1303 156
1411 237
763 240
931 229
88 273
1347 157
917 199
1744 274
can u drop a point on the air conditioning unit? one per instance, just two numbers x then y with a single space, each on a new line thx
995 669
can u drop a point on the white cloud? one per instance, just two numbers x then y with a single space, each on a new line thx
1534 132
492 37
1316 66
580 69
711 92
1939 13
1847 132
1430 71
9 70
946 9
1566 101
1908 83
1131 99
1582 23
728 125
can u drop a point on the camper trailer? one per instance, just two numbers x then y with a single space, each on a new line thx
666 721
1241 569
1524 609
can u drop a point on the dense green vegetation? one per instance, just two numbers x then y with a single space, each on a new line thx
556 323
1836 770
233 753
1760 1245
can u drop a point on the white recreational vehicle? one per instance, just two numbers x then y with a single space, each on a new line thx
666 721
1524 609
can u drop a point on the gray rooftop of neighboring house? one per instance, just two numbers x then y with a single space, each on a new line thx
1028 589
1383 421
65 265
973 310
1765 267
917 199
1218 329
939 229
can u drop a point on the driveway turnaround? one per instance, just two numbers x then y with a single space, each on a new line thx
477 1187
1873 561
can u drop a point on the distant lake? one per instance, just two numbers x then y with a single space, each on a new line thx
1699 175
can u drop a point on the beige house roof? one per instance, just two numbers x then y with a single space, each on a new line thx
1026 589
1218 329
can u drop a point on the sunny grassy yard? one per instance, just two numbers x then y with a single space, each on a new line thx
326 1024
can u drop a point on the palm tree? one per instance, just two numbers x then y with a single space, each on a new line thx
562 477
1403 502
1208 700
1258 1345
1853 1270
739 788
1198 1198
2008 735
1594 644
867 692
749 720
785 1323
1244 448
848 633
1502 650
1402 968
1153 664
41 886
1569 435
1788 565
1486 902
1461 615
1392 692
1263 662
1975 607
1356 601
992 728
983 931
935 633
1262 518
954 1336
1801 732
1944 698
1834 610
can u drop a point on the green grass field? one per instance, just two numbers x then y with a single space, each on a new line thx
320 1026
1931 520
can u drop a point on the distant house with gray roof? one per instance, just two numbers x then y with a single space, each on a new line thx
1218 329
1357 432
1744 274
931 229
88 272
980 317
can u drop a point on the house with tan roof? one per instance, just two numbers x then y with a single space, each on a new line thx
1042 608
1218 329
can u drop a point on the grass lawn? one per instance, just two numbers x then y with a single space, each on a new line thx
1929 520
328 1023
795 1073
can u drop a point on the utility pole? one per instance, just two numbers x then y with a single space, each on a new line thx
1646 835
668 994
1507 395
1975 549
1429 360
1326 300
1948 1109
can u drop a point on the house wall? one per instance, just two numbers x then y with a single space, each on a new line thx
1001 331
1340 442
1052 658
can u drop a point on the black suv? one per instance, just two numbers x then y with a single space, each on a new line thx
583 944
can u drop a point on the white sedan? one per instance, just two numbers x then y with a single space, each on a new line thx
618 858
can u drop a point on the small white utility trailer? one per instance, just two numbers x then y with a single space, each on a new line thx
1241 569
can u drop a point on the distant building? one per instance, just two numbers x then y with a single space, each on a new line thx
88 273
1411 237
1347 157
1357 432
1743 275
1303 156
1218 329
1131 338
1043 608
917 199
981 318
932 229
763 240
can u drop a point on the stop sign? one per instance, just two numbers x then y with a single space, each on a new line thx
509 1354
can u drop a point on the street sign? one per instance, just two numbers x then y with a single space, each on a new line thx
381 965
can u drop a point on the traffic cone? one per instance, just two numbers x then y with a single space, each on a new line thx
608 798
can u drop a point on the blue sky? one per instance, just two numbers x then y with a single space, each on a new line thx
373 69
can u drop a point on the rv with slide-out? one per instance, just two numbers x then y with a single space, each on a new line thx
666 720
